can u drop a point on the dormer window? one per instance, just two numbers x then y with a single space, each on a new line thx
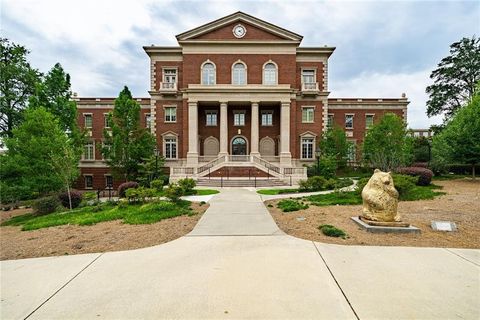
208 74
239 74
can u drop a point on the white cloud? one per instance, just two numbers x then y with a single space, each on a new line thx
378 85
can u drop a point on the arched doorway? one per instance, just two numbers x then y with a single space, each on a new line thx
239 146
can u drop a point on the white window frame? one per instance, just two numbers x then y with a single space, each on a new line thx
214 73
233 73
349 151
264 78
330 124
266 112
170 136
85 115
373 120
314 74
312 143
85 181
353 120
239 123
107 187
165 108
304 110
105 121
93 151
148 120
167 77
211 112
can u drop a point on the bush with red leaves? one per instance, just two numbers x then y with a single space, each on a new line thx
420 164
124 186
424 175
75 196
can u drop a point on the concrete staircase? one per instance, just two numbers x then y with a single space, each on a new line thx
239 182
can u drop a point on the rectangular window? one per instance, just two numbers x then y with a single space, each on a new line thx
308 76
307 114
88 121
368 120
330 121
349 121
170 114
307 148
88 182
267 118
170 76
108 182
170 148
211 117
89 151
239 118
106 120
148 121
351 151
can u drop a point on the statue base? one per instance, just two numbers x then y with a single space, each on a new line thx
385 228
399 224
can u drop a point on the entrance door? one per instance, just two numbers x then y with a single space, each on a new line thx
239 147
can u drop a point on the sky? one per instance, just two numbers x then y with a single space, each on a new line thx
383 48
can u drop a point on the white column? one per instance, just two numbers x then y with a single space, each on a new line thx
285 155
254 131
223 129
192 154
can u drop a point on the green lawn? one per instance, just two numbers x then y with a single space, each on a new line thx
341 183
132 214
205 192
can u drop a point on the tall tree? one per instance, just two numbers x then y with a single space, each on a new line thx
32 151
334 143
128 144
387 145
459 142
455 78
17 83
54 94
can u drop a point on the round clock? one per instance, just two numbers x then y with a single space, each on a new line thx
239 31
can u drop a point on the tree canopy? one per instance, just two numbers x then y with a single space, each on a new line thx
17 84
455 78
387 145
334 143
128 144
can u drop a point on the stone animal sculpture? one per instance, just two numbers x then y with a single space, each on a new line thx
380 198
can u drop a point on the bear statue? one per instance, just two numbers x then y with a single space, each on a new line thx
380 198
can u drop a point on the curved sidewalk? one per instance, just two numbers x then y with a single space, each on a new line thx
237 264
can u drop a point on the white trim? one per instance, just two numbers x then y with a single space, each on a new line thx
85 114
93 153
276 73
353 120
261 118
244 118
214 72
373 119
308 135
85 181
165 107
239 26
246 73
308 107
169 135
212 111
105 117
239 136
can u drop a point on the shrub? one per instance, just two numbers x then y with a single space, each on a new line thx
316 183
420 164
124 186
89 196
327 168
288 205
157 184
45 205
402 183
187 184
424 175
139 194
75 196
174 191
331 231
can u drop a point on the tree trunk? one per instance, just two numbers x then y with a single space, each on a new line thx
473 171
69 197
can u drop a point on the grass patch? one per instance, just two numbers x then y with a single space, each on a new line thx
340 183
132 214
331 231
422 193
205 192
289 205
336 198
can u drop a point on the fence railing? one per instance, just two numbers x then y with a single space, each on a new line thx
211 164
238 158
183 170
267 165
169 86
310 86
294 171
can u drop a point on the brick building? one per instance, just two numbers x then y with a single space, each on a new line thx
237 93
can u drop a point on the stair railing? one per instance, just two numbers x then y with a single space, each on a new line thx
210 165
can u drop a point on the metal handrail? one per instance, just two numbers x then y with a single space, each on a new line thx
210 164
266 164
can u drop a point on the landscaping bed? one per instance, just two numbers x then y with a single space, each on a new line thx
108 229
459 205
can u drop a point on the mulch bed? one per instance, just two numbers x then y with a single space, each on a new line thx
461 205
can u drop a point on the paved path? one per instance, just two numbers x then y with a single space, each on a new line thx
236 264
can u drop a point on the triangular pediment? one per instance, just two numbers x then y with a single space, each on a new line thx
222 29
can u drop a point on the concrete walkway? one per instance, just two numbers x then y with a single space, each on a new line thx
236 264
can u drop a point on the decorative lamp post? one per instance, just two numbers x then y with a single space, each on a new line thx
317 154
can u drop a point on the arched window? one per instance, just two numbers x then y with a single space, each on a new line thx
208 73
270 74
239 74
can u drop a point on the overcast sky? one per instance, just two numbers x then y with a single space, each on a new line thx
384 48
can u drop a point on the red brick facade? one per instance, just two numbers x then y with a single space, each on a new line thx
304 101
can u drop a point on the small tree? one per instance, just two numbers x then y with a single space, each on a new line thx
17 83
460 140
455 78
66 167
128 144
387 145
334 143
